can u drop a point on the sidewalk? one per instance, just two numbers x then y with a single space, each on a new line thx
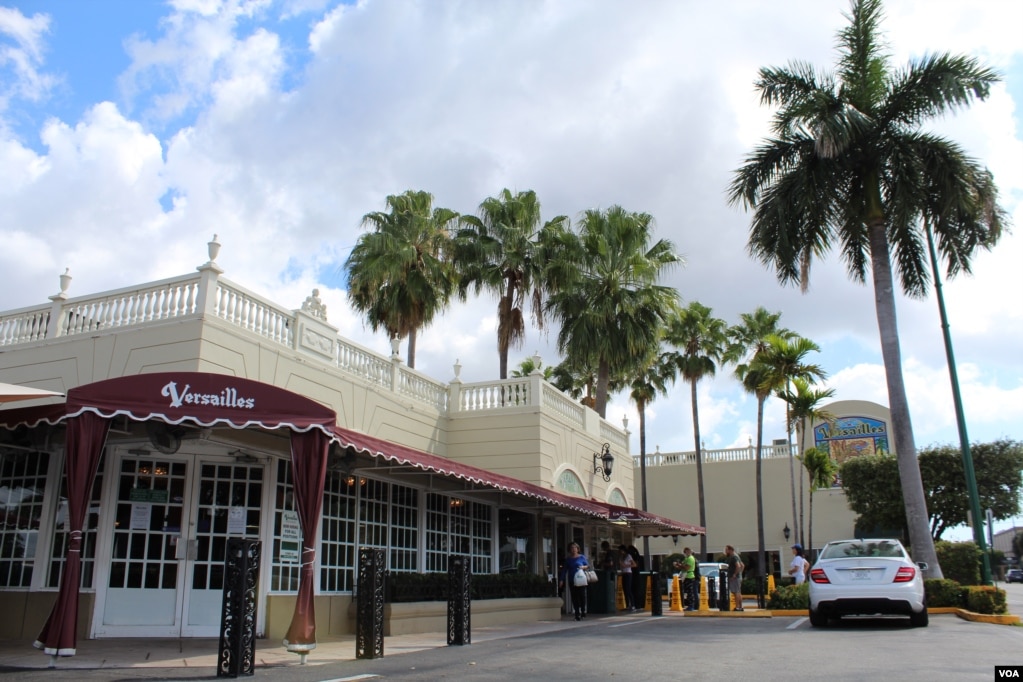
202 653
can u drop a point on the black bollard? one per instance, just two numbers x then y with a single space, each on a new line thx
459 600
369 610
656 605
237 651
724 602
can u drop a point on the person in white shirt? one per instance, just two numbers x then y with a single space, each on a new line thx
628 564
799 566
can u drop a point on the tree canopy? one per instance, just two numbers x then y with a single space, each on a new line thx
872 487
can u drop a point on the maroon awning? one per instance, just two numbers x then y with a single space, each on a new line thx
403 455
176 397
202 398
645 523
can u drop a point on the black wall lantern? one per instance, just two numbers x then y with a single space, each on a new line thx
603 462
786 531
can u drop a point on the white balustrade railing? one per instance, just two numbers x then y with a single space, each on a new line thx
716 455
363 363
422 388
27 325
206 293
555 400
164 300
494 395
253 312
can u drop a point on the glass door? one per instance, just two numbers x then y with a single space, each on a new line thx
172 520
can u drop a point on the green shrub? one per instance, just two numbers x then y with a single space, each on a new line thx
790 597
960 561
985 599
943 592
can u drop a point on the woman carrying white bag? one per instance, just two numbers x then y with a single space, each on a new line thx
573 574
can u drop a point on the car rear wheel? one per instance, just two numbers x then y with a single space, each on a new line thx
818 619
919 620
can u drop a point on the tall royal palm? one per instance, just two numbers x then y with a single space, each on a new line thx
786 359
701 340
502 250
804 408
748 341
609 303
849 164
400 274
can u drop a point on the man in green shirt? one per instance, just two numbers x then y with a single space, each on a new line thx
689 580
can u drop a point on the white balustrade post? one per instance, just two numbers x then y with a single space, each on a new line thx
57 314
535 381
455 390
209 273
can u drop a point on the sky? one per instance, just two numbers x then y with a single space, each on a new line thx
132 132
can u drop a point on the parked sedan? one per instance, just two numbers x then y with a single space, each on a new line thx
1014 575
866 577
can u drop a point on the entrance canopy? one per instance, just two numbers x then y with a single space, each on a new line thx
647 524
177 397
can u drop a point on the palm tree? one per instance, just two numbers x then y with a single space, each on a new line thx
702 340
400 274
607 299
527 366
747 342
849 163
804 409
820 470
786 360
649 381
503 251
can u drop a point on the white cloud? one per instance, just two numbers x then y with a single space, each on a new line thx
649 105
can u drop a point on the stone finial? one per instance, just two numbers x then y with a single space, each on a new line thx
458 370
65 280
213 248
314 306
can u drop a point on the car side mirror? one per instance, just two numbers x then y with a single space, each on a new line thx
922 565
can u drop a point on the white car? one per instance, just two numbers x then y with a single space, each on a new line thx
866 577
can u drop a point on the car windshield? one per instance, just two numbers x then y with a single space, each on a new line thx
863 548
710 570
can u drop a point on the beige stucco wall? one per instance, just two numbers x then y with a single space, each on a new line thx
730 495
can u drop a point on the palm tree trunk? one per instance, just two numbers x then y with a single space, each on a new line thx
792 472
641 406
603 375
761 554
801 431
699 471
412 349
809 544
917 518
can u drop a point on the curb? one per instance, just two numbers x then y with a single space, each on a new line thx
999 619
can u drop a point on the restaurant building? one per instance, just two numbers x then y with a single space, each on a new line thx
197 411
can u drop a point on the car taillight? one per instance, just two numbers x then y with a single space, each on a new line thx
905 574
819 576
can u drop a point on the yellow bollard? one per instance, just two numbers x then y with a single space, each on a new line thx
770 585
704 603
619 595
649 595
676 595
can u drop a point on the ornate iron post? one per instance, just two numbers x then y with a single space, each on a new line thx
369 613
237 653
459 600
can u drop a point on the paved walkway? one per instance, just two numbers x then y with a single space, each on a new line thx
202 653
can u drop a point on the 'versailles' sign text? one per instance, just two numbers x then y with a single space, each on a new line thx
228 397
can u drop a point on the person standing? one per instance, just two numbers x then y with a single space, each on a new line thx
735 567
799 566
574 563
627 566
689 579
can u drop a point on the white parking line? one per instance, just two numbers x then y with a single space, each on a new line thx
796 624
350 679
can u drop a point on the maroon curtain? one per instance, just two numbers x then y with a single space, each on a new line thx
86 435
308 472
